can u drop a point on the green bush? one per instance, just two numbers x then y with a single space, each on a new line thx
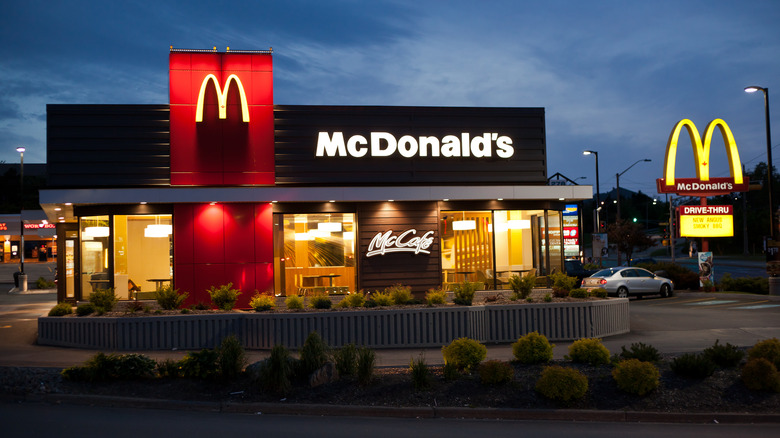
588 350
562 384
759 374
436 296
599 292
450 372
768 349
294 302
522 286
169 298
635 376
532 348
232 358
43 283
346 360
61 309
495 372
168 368
421 374
313 354
642 352
224 296
262 302
200 364
357 299
382 299
464 353
463 292
401 294
562 281
755 285
366 362
693 366
85 309
320 302
682 277
579 293
724 356
103 367
275 373
104 300
547 298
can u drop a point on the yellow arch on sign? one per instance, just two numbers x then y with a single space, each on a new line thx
701 152
221 97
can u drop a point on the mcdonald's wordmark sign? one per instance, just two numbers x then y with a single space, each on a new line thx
222 122
702 185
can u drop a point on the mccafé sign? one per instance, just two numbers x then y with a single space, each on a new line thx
702 185
407 241
385 144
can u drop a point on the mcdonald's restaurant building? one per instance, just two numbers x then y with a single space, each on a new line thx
220 185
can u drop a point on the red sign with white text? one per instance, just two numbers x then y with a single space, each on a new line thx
222 125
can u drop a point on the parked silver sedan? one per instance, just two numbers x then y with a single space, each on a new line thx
624 281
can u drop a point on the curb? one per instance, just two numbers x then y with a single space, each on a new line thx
404 412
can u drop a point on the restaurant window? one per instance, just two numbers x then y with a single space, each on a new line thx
315 253
514 248
467 246
143 257
95 233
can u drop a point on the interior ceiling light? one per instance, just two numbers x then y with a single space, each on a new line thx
158 230
463 224
97 231
519 224
331 227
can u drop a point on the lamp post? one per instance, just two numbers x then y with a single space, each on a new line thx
753 89
22 277
598 200
618 197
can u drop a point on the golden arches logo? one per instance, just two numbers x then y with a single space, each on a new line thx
701 151
221 97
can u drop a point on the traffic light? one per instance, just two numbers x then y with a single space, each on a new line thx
634 220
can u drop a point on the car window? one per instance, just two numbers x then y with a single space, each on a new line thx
628 273
644 273
604 273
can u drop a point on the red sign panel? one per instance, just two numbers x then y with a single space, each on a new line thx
706 209
222 127
696 187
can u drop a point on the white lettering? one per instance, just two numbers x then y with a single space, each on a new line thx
352 146
385 144
450 146
505 149
480 146
376 144
386 242
407 146
331 146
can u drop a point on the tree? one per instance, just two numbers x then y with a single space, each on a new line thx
628 236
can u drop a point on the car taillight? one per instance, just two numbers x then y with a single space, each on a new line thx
603 281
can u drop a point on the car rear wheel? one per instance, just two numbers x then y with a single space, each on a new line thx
622 292
666 291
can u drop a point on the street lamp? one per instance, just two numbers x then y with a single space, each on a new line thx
753 89
22 287
618 196
598 200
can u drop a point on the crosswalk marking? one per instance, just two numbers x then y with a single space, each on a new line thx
758 306
712 302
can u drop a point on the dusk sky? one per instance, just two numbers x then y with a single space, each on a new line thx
613 76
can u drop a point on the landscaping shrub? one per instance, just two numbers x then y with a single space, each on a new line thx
346 360
588 350
450 372
104 300
463 293
85 309
768 349
401 294
294 302
168 368
262 302
61 309
200 364
232 358
756 285
579 293
43 283
169 298
635 376
382 299
436 296
642 352
599 292
421 375
274 373
562 384
313 354
494 372
320 302
547 298
366 361
522 286
682 277
464 353
759 374
562 284
532 348
357 299
101 367
224 297
693 366
724 356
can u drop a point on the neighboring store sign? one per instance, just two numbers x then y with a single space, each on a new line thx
706 220
706 270
702 185
3 226
407 241
385 144
222 94
571 227
39 226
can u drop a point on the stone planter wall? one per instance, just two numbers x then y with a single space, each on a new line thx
416 327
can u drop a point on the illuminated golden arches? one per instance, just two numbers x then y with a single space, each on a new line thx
221 97
701 152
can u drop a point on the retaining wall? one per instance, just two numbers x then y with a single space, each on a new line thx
416 327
